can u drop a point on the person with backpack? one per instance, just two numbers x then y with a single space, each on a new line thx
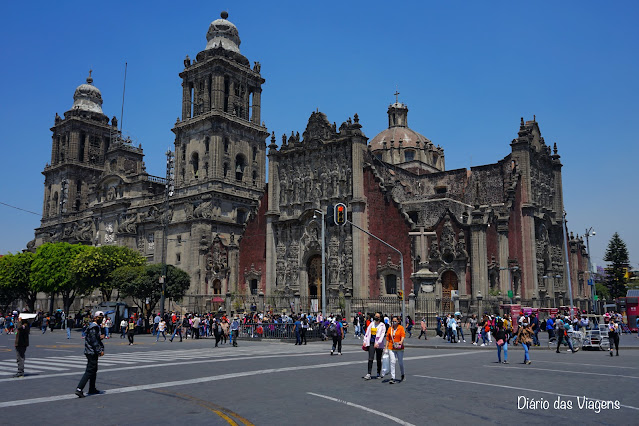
409 326
560 330
336 332
374 342
499 332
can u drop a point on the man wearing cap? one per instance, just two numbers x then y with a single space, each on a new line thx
235 328
93 349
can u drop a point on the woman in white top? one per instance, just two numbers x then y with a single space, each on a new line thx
374 341
123 325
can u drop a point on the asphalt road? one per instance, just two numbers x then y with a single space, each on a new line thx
266 383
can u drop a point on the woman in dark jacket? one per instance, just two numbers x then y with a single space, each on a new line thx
500 341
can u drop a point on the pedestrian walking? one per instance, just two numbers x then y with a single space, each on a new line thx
156 322
562 334
409 326
336 331
107 326
613 335
473 328
525 337
93 349
161 329
501 340
395 338
21 344
177 329
423 331
130 331
304 328
123 327
45 322
297 329
67 322
374 341
217 331
235 329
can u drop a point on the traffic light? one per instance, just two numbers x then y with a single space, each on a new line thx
340 214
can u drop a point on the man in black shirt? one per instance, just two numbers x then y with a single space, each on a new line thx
93 349
22 342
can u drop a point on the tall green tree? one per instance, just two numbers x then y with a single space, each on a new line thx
619 262
93 267
50 271
15 280
142 283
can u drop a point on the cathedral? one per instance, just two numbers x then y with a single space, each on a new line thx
492 232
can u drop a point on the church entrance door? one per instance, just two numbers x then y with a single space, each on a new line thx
449 283
314 272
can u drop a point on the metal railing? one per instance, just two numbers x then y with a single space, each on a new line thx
277 331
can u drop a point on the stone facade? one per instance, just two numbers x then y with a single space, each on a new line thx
462 233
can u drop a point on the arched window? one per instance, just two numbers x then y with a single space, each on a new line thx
241 216
254 286
391 284
54 206
195 163
239 167
207 144
254 153
409 155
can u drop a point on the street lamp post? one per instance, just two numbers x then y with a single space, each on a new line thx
565 230
323 259
593 290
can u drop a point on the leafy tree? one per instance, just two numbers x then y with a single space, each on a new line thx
93 266
15 280
617 255
50 271
143 282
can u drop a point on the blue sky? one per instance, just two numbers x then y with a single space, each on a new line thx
468 70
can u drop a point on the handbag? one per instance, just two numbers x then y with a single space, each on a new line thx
500 342
396 345
365 348
385 363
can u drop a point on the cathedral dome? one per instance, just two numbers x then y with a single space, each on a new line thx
223 33
87 97
392 136
398 130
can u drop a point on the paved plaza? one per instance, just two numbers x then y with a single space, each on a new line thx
271 382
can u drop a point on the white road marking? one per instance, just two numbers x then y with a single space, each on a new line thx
59 350
361 407
209 378
588 365
564 371
517 388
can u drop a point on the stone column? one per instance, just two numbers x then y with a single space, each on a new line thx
260 303
296 302
74 142
86 148
186 100
479 264
480 307
228 303
256 113
206 100
348 306
218 92
411 305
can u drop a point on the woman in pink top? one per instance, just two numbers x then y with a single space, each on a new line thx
374 341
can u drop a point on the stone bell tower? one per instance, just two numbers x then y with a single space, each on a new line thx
80 142
220 136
